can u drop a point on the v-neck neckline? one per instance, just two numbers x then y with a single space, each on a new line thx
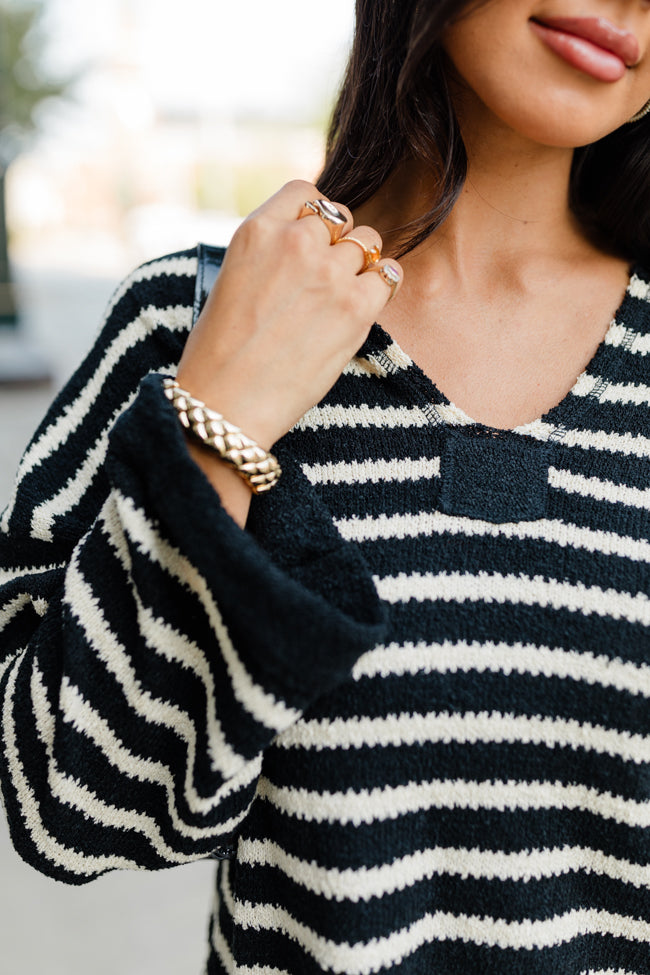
588 389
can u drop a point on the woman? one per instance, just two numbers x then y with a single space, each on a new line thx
403 695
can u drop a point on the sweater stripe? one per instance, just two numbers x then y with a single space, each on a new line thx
154 710
44 841
333 417
484 587
67 423
619 336
468 728
396 469
449 658
403 872
639 395
545 530
86 720
378 805
599 490
264 707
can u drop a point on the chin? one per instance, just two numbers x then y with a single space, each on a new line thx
562 124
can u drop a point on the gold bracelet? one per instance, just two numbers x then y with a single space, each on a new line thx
256 466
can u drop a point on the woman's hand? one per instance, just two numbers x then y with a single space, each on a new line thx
287 313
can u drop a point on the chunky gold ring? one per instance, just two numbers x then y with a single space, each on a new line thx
389 275
372 255
329 214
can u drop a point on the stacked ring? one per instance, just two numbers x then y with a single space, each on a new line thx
388 274
329 214
372 254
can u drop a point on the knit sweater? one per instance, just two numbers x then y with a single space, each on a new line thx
406 709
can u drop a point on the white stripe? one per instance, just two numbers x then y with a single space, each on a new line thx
175 318
44 514
431 523
379 953
518 590
76 711
587 384
366 883
445 658
85 607
635 342
264 707
616 443
638 288
467 728
73 793
364 369
75 488
397 356
10 610
452 415
610 971
219 943
6 664
327 417
375 471
47 846
176 648
164 267
140 328
389 802
593 487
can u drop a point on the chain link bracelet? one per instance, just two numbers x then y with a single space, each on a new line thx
256 466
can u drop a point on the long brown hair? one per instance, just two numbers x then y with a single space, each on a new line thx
395 104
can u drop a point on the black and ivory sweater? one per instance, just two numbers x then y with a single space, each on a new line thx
409 704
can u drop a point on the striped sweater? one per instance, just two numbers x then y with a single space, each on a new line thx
406 711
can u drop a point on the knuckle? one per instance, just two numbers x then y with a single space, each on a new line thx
253 230
302 186
297 240
354 305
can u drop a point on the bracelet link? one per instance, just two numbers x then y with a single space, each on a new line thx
259 468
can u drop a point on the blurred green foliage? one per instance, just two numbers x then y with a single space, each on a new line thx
24 86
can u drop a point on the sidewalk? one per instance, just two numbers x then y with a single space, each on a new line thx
124 923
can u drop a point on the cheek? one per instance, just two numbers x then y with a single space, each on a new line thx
489 59
499 66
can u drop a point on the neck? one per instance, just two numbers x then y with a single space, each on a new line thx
513 211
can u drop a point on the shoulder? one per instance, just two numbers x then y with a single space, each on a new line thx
165 281
161 298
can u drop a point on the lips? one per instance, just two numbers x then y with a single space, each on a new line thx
593 45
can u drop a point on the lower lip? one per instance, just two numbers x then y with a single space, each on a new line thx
581 54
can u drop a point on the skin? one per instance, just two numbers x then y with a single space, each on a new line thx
503 307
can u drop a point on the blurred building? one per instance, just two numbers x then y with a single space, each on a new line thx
171 133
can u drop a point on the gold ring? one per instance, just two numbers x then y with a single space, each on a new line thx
387 274
329 214
372 255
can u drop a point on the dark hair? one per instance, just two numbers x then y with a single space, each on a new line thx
395 104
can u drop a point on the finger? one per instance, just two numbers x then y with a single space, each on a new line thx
366 248
289 201
336 221
387 274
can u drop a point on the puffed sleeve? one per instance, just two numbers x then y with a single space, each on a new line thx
150 649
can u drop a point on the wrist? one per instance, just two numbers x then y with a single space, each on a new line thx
252 462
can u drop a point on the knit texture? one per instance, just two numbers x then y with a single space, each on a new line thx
408 705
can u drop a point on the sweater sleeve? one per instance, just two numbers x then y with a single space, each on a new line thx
150 649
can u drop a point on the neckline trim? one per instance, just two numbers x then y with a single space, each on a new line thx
552 426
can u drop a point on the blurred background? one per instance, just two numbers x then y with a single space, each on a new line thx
128 129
